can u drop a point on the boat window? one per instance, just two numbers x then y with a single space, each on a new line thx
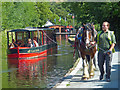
11 36
44 38
35 36
19 36
40 37
26 36
11 40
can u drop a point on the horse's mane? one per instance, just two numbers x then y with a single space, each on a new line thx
88 26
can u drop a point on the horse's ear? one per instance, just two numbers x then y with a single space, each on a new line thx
83 24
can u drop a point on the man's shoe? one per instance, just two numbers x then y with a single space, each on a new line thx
108 80
101 77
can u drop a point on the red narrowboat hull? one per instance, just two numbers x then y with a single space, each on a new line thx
27 52
27 55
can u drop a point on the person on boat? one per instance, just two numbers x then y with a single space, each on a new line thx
29 43
13 44
20 43
35 44
35 38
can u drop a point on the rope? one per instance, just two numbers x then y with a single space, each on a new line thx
50 38
92 45
53 40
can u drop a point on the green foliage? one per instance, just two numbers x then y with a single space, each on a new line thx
94 12
34 14
59 11
43 12
18 15
6 11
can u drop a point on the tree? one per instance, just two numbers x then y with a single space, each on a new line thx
19 15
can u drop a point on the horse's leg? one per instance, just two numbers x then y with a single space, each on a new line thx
79 53
78 47
94 63
91 67
85 70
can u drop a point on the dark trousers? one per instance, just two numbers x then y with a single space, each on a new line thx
104 58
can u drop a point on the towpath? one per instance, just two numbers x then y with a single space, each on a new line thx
73 79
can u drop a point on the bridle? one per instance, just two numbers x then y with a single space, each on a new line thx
86 39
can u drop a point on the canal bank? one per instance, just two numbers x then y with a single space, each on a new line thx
73 78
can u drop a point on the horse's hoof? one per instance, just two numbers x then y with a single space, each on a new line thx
91 76
85 78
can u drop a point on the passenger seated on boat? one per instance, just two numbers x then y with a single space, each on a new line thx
29 43
35 44
13 44
35 38
20 43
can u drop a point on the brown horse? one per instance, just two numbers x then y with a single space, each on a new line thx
87 49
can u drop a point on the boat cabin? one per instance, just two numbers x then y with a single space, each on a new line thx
30 40
41 35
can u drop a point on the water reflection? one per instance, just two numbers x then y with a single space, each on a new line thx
42 72
31 72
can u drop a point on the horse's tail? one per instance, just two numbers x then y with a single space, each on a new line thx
74 46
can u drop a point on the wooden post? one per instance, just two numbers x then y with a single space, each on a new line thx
28 34
40 32
42 38
16 36
12 34
66 35
59 29
8 39
38 35
23 39
32 33
60 35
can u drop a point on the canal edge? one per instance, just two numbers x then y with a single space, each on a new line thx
68 76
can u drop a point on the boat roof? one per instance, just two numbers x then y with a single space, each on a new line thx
30 29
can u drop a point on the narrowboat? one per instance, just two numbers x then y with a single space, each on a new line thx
30 42
32 68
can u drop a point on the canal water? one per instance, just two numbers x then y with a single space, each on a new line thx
42 72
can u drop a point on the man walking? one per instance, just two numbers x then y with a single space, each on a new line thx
106 42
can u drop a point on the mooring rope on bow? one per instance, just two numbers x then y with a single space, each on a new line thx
50 38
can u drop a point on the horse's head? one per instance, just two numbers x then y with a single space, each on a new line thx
88 35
